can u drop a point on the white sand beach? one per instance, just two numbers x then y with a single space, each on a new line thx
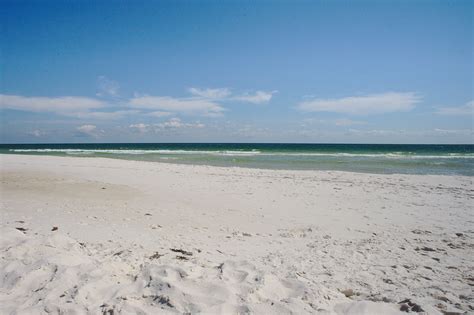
108 236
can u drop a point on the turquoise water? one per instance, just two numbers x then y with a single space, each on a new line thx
370 158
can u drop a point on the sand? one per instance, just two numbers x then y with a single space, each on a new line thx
106 236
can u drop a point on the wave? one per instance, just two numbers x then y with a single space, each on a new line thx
136 152
392 155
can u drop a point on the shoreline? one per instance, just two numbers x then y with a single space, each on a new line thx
239 167
363 158
328 242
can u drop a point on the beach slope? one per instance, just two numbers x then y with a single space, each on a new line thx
94 235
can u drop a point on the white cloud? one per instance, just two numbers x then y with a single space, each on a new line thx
103 115
180 105
61 105
337 122
225 94
376 132
140 127
71 106
171 124
107 87
204 102
454 131
210 93
258 97
413 133
364 105
466 109
89 130
177 123
86 128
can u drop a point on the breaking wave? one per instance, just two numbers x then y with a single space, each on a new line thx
394 155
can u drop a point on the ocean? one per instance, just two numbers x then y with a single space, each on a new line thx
367 158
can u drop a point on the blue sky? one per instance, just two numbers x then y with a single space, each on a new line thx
237 71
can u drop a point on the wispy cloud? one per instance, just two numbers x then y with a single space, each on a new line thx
202 102
338 122
61 105
376 132
102 115
172 123
37 133
466 109
348 122
159 114
454 131
251 131
437 132
70 106
180 105
210 93
259 97
225 94
177 123
364 105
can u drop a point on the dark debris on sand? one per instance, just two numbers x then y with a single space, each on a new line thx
181 251
408 306
182 258
163 300
156 255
